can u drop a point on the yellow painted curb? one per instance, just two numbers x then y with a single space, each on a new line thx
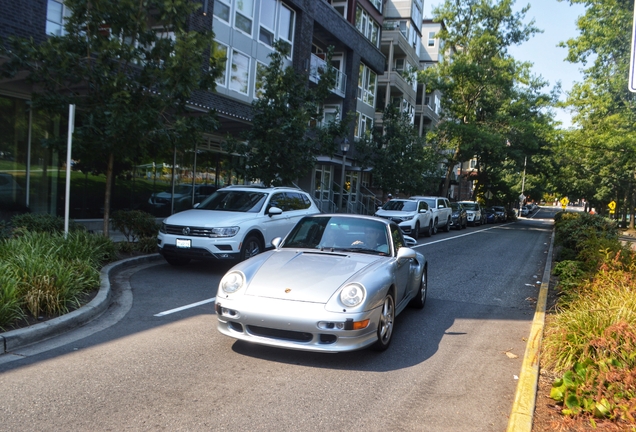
525 398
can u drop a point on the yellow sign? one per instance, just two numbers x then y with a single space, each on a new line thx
564 202
612 206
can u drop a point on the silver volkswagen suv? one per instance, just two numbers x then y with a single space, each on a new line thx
234 223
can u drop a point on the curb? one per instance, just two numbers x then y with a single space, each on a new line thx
19 338
526 395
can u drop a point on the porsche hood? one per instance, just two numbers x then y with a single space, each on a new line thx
306 276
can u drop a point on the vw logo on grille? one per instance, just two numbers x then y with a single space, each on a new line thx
186 231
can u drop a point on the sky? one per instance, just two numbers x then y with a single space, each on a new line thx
558 22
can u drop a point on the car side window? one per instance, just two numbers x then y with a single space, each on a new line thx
396 236
277 200
295 201
423 206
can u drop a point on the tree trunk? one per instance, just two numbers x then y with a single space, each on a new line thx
449 171
107 193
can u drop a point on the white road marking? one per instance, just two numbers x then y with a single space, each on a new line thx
458 236
179 309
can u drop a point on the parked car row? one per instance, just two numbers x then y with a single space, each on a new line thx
418 214
527 209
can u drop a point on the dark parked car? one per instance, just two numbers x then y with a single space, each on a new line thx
491 216
459 217
502 215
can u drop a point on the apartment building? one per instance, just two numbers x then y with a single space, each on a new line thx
31 176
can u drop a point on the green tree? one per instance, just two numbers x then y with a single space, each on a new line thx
286 136
493 109
130 67
602 151
399 157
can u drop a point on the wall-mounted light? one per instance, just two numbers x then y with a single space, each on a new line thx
205 7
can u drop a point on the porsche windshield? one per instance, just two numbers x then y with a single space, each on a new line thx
339 234
234 201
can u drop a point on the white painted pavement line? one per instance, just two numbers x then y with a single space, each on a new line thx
179 309
460 235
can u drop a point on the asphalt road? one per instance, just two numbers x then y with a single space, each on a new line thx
147 364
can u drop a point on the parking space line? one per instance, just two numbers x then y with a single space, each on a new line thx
460 235
179 309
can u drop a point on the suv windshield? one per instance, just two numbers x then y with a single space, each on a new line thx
455 206
470 206
397 205
234 201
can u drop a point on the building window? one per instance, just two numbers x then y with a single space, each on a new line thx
259 82
243 15
56 14
437 105
331 113
377 4
367 80
219 54
240 74
431 38
340 7
268 22
277 21
367 26
222 10
363 126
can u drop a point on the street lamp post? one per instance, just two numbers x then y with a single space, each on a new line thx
344 147
522 197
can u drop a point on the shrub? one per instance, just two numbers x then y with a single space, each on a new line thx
43 223
48 273
10 310
574 228
135 224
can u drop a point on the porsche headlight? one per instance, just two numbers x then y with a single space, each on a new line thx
352 295
232 282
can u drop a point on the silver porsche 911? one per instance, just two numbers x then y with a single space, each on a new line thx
335 283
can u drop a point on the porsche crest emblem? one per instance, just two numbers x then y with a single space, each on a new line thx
287 290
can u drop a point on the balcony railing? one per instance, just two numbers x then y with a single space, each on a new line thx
316 67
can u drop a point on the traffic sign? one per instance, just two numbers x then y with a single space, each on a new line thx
612 206
564 201
488 194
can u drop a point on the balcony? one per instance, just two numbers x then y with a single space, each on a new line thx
317 65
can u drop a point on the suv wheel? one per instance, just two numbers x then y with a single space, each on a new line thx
435 229
429 230
416 233
251 246
448 224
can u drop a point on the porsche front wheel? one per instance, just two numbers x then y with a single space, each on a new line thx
385 326
420 298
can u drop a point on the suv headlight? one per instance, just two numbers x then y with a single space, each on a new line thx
224 232
232 282
162 228
352 295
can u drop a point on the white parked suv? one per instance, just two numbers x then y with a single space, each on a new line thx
412 215
442 211
234 223
473 211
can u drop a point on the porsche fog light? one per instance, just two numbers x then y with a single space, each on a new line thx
352 295
232 282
